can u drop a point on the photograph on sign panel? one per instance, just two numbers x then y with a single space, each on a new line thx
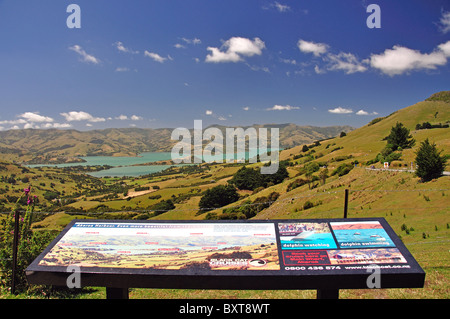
361 234
306 236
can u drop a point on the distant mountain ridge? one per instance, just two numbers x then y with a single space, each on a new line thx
65 145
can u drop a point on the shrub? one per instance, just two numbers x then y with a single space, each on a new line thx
297 183
251 178
31 244
308 204
162 207
218 196
342 169
429 161
248 209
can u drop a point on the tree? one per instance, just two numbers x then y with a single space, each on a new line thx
247 178
251 178
400 137
217 197
163 206
429 161
323 175
277 177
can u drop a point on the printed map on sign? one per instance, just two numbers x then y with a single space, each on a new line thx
215 246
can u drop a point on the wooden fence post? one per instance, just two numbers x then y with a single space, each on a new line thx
346 203
15 248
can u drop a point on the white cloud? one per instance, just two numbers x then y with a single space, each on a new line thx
234 49
12 122
56 125
362 112
121 48
311 47
156 57
246 108
445 48
192 41
121 117
278 6
81 116
35 117
344 62
209 112
319 70
395 61
340 110
33 120
445 22
281 7
289 61
86 57
399 60
136 118
122 69
258 68
282 108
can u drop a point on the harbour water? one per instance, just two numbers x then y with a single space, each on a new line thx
123 165
126 165
358 238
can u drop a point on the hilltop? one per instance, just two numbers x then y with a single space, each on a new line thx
364 143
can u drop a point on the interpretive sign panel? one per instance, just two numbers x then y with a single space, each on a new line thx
257 254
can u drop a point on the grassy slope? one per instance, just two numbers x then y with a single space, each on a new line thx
366 142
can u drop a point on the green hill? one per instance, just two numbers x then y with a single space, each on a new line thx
364 143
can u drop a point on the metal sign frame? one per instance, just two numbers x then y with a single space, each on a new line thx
328 260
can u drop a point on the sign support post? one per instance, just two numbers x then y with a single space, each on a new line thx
328 294
15 249
116 293
346 203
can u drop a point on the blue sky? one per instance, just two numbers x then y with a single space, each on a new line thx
153 64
